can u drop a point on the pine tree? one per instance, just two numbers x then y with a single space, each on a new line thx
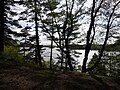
10 23
5 22
61 25
24 42
31 15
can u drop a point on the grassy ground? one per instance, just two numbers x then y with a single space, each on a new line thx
22 77
16 74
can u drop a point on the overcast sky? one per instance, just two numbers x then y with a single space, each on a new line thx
20 8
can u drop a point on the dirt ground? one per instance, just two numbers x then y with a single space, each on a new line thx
26 78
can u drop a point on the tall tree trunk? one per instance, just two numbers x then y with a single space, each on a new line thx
62 58
37 35
106 37
51 53
1 26
68 55
25 47
61 43
88 43
36 55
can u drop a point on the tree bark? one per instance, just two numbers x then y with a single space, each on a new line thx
88 40
37 35
51 52
1 26
68 55
88 46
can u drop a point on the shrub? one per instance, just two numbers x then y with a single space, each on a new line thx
11 55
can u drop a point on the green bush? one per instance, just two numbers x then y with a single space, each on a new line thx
11 55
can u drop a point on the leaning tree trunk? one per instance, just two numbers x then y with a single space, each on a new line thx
1 26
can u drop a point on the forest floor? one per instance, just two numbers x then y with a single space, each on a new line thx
18 77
